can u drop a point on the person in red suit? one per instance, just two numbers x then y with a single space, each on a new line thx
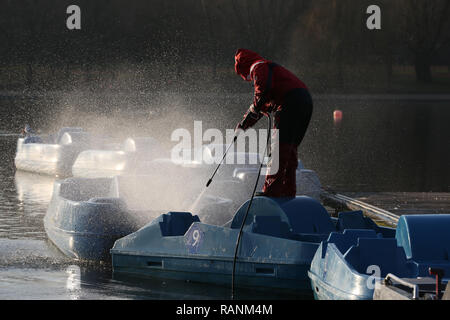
280 92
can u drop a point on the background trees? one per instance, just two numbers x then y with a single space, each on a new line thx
164 43
426 27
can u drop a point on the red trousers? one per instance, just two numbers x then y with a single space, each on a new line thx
292 121
282 183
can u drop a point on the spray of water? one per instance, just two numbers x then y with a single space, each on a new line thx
163 186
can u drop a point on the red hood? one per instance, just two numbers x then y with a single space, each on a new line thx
244 59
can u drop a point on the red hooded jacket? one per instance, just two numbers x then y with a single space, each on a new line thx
268 97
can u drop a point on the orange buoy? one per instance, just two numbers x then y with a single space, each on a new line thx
337 116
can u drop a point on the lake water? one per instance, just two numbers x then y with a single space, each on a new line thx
31 267
390 153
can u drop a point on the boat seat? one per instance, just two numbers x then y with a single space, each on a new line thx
354 220
309 237
306 218
114 202
75 138
32 139
176 223
425 238
343 241
62 131
271 226
307 215
383 253
82 189
49 139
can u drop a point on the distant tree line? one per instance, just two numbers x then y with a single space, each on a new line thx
194 40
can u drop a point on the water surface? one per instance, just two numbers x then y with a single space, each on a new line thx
388 153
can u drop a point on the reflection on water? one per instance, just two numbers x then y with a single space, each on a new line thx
33 189
31 253
23 198
30 270
31 267
73 283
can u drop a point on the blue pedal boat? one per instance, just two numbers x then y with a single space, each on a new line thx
279 240
348 266
86 216
134 155
53 154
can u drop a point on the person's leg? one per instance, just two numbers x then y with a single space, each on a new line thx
292 124
274 184
291 171
282 184
296 116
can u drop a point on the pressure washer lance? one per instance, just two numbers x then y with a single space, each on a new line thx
212 177
249 205
223 158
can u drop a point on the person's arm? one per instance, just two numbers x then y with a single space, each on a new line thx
260 105
249 120
260 83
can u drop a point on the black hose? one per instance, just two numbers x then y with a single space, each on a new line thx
248 207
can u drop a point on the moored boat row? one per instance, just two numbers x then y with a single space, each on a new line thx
121 207
347 266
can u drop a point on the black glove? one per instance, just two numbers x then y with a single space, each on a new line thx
239 126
